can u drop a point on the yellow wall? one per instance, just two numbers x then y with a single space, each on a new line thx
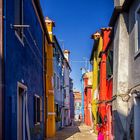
50 108
96 61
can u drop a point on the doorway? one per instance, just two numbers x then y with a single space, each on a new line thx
136 118
21 111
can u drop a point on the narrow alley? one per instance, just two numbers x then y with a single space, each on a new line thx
79 131
69 70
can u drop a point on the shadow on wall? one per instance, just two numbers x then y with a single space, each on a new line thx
67 132
123 126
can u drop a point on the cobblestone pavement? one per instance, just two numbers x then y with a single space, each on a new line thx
76 132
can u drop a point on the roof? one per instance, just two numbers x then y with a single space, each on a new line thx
87 75
40 13
55 40
66 51
118 10
48 20
96 36
106 28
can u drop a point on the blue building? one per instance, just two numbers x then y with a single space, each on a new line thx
82 92
1 71
24 32
71 100
59 88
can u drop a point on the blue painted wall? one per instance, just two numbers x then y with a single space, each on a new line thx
58 64
58 58
22 63
71 100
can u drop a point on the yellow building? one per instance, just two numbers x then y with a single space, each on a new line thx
49 91
95 59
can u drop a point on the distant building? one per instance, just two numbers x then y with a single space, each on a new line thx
83 70
58 79
71 100
77 104
67 70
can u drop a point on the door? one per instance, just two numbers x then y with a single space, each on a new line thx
137 118
21 112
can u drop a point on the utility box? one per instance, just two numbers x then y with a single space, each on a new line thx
118 3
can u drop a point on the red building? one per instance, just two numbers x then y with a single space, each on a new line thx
87 78
105 93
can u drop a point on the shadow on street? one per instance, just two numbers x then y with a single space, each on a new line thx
77 132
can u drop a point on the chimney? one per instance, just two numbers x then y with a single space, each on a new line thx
66 54
118 3
50 24
96 36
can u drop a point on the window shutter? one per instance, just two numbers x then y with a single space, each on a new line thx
35 110
41 109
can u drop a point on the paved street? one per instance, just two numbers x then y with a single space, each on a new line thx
76 132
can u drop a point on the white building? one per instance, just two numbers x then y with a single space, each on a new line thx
126 69
67 70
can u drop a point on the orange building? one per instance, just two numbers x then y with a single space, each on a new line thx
49 89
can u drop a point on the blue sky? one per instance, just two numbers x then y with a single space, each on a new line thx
75 21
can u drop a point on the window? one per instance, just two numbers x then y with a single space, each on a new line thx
58 83
37 109
137 17
56 109
19 17
54 80
45 65
65 94
46 107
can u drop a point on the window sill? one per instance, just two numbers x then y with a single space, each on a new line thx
38 123
137 54
20 40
